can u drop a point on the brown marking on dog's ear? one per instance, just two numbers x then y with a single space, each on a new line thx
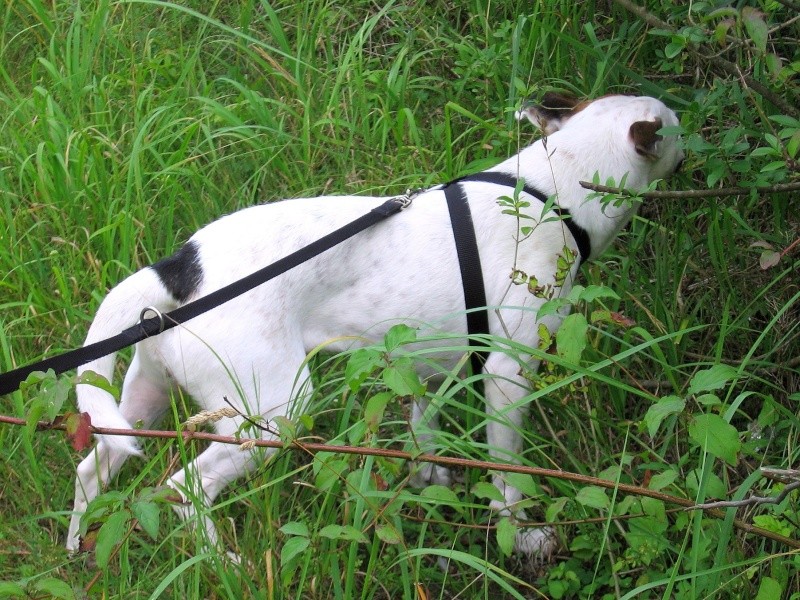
560 104
644 137
553 111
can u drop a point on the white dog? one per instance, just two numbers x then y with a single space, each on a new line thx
404 269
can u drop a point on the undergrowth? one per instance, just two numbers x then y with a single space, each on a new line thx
127 125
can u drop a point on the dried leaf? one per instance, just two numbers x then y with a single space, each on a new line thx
622 320
79 430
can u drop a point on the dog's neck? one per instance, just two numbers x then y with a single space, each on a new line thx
557 165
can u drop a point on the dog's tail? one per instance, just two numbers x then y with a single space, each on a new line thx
120 309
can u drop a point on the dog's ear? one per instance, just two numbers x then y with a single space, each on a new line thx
553 111
644 137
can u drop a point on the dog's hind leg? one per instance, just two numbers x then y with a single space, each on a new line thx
145 397
205 477
201 481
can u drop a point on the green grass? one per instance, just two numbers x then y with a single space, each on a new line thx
125 126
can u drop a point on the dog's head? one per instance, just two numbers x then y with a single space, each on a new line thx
628 122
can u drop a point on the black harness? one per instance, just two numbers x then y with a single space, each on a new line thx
468 257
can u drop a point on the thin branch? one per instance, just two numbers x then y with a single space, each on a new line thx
784 475
449 461
684 194
752 500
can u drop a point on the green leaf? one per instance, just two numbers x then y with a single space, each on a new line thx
54 588
708 400
356 433
342 532
389 534
487 491
307 421
287 430
793 145
111 533
524 483
669 405
769 589
10 589
440 494
402 378
360 365
662 480
295 528
50 394
555 509
675 47
399 335
756 27
768 259
551 307
711 379
98 381
571 338
148 514
591 293
373 411
715 436
330 473
293 547
594 497
714 486
773 524
506 535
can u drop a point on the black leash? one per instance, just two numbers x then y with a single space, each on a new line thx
11 380
468 257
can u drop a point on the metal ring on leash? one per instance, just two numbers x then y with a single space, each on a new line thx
159 316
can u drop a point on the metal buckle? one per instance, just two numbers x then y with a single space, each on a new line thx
405 200
159 316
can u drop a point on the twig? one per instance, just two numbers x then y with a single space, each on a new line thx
450 461
683 194
758 500
751 500
718 62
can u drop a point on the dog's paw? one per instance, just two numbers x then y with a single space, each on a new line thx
428 474
538 543
73 542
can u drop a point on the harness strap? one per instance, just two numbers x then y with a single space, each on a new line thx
469 258
469 262
578 233
11 380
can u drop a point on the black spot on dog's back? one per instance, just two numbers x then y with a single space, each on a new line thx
181 273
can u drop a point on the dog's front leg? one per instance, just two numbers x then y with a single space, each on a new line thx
424 425
505 388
